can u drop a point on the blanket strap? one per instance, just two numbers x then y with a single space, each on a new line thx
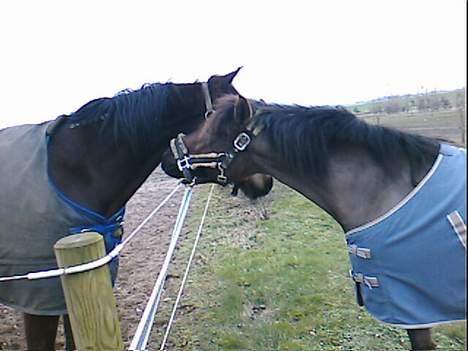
359 279
111 232
458 225
361 252
371 282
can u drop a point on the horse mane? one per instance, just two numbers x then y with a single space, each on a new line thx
306 136
132 115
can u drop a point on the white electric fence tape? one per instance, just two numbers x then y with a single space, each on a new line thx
143 330
187 270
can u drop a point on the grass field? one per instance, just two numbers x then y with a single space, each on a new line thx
273 276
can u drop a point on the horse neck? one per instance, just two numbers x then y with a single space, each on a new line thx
89 167
355 191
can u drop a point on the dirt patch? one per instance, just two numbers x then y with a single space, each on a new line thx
140 262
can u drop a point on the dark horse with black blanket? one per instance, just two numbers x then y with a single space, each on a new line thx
400 198
77 173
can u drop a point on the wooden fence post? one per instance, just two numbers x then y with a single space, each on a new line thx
90 301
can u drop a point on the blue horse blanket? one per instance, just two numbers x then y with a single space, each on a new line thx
409 265
33 216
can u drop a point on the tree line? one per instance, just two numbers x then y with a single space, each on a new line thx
428 101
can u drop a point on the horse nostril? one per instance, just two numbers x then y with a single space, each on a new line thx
171 170
169 165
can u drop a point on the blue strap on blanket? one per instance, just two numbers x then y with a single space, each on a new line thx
110 228
107 227
111 232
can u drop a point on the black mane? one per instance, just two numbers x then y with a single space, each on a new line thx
133 115
305 137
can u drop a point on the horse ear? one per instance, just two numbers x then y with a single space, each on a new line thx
242 110
228 78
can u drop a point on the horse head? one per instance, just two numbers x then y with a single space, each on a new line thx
214 152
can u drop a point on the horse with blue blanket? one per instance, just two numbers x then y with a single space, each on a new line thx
76 174
400 198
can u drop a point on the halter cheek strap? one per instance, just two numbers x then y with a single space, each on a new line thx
242 142
208 102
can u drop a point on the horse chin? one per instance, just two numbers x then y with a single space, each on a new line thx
171 170
255 188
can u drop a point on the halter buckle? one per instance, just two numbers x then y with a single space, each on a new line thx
184 163
222 179
241 142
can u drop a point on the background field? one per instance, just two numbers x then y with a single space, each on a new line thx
446 124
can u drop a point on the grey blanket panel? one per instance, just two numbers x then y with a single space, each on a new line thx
32 219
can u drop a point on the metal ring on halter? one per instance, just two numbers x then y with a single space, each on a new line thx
241 142
208 113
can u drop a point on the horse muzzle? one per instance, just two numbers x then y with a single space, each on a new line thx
169 165
195 168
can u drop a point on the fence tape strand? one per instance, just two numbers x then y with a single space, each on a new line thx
187 270
143 331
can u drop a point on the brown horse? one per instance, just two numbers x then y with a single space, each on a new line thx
400 198
77 173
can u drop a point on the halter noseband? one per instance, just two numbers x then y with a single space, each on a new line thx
187 162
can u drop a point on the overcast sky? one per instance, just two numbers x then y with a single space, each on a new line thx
57 55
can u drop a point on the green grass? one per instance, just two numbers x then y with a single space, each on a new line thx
277 284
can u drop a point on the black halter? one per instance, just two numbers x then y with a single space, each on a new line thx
187 162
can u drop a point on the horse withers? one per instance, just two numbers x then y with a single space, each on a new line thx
76 174
400 198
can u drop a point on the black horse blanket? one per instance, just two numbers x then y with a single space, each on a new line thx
33 216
